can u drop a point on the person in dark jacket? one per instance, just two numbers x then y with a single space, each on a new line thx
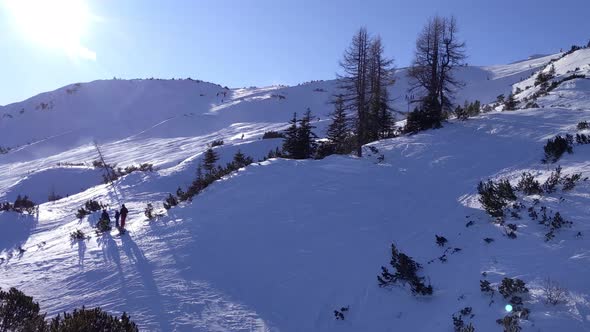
105 216
124 212
117 215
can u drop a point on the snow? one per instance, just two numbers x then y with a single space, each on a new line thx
280 245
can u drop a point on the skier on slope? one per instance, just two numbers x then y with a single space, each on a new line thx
124 212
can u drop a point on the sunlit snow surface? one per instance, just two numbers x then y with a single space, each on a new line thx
280 245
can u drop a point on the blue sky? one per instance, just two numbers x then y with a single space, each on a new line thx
257 42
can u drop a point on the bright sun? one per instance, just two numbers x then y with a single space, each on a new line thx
58 24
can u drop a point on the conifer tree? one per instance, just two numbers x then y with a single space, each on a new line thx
510 104
338 131
209 160
354 83
380 76
291 138
438 53
239 160
305 137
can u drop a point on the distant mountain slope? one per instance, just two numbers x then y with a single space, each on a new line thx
115 109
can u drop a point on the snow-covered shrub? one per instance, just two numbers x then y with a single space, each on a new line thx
92 320
569 181
510 103
18 312
509 323
81 213
405 271
459 323
552 181
512 287
212 173
149 211
92 206
495 196
467 328
555 224
543 78
486 287
77 235
468 110
171 201
554 294
583 125
441 240
325 149
272 134
528 185
511 230
424 118
339 314
556 147
216 143
582 139
21 204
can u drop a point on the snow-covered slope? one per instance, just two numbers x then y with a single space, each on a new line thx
572 73
282 244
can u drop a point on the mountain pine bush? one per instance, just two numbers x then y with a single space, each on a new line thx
272 134
18 312
149 211
528 185
405 271
494 197
91 320
556 147
171 201
512 287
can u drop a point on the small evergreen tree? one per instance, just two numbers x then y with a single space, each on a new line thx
338 131
300 140
510 104
528 185
306 137
209 160
494 197
240 160
426 117
290 144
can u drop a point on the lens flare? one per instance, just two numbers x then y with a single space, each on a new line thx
508 308
58 24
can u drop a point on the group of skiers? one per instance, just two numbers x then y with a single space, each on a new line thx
119 214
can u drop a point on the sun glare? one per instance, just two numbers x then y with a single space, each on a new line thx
58 24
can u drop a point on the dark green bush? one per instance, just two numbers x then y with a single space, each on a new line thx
556 147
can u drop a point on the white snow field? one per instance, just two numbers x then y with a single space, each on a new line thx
281 244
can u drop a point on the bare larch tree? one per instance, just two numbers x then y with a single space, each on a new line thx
366 75
438 53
